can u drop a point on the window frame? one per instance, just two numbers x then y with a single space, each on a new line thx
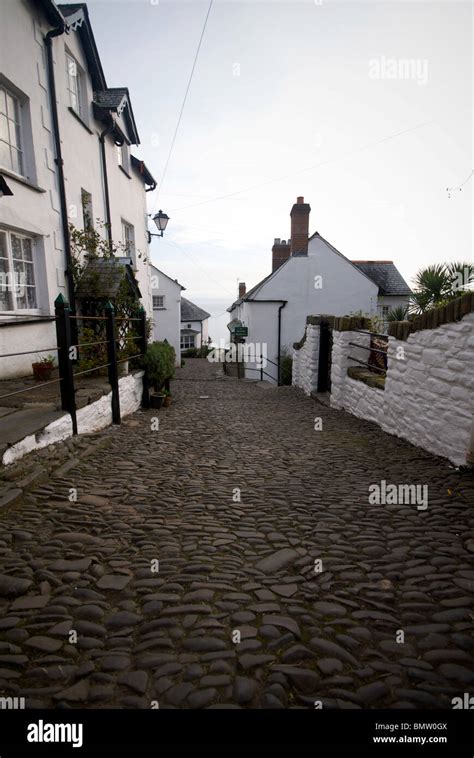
22 171
161 307
15 310
184 338
80 83
129 253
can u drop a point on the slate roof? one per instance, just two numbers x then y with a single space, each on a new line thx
102 278
385 275
192 312
144 172
110 98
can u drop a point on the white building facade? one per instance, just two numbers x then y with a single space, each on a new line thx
166 295
194 325
309 277
65 156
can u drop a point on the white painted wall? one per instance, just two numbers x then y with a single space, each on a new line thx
344 289
198 326
428 395
91 418
306 361
32 210
36 211
167 320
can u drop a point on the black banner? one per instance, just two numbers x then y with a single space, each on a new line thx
316 732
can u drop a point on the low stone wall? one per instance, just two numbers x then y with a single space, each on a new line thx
306 355
90 418
429 389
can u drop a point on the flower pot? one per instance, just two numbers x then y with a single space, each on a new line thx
42 371
156 400
167 401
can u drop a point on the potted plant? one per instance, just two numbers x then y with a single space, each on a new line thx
167 399
159 362
43 368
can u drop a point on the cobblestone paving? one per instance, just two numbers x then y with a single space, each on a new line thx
230 569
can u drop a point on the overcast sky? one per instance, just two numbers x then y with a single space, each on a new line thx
298 98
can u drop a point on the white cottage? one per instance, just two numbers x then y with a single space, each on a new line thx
309 276
194 325
166 294
65 157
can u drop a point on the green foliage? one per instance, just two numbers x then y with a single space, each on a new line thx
90 243
286 367
399 313
159 362
376 321
439 283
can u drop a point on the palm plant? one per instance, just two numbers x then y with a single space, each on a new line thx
398 314
439 283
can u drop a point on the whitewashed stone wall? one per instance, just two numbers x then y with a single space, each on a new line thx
306 361
91 418
429 391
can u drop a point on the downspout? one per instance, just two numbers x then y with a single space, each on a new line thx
279 340
48 40
108 221
283 303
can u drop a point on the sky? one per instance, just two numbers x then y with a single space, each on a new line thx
364 108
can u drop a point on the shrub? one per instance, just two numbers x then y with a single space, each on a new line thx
159 363
286 367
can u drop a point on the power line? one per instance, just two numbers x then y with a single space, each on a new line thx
210 278
183 104
302 170
459 189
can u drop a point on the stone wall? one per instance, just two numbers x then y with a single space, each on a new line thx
90 418
306 355
429 389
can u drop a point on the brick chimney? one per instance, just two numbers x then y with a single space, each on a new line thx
242 289
300 226
280 252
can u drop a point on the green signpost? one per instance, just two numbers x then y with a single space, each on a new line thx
241 331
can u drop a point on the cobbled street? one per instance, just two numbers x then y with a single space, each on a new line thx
161 586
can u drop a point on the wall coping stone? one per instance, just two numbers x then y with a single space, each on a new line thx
453 311
361 374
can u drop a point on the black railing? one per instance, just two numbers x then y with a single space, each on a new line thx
261 370
69 354
378 347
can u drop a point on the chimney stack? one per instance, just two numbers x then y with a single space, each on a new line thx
280 252
300 227
242 289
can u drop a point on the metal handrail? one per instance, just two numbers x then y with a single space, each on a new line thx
375 334
372 349
29 352
33 387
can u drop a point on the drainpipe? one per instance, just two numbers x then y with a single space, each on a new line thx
48 40
279 340
108 221
283 303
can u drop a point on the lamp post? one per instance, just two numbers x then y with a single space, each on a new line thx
161 221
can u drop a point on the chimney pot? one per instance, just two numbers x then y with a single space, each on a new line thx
276 241
300 200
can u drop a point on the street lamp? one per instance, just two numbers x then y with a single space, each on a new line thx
161 220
